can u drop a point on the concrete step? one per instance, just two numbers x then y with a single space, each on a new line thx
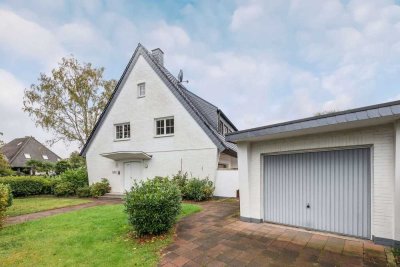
113 196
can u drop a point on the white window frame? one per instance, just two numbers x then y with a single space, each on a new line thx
164 119
44 156
27 155
123 124
139 91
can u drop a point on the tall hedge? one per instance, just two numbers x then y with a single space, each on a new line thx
27 185
153 206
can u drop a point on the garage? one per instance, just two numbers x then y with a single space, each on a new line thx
324 190
337 173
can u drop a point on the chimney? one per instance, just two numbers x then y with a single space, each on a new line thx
158 55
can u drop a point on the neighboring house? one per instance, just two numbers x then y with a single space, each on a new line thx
21 150
337 172
153 126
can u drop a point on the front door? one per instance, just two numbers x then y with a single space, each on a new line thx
132 172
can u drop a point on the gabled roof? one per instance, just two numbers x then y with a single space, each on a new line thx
376 114
203 112
14 151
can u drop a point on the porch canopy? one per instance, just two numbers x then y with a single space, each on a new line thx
127 155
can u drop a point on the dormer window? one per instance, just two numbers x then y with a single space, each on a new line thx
141 90
123 131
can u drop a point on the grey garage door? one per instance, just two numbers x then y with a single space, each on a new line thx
326 190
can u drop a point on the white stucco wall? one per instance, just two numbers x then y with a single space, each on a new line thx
189 147
380 137
226 183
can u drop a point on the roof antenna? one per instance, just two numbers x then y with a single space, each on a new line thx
180 77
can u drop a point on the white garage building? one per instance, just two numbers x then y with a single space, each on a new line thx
338 172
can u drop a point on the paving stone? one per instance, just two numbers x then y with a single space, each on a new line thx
214 237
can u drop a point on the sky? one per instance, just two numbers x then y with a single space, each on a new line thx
261 62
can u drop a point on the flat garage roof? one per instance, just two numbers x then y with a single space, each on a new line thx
359 117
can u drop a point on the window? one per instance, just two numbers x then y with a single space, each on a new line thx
165 126
220 127
223 128
122 131
141 90
45 157
27 156
226 129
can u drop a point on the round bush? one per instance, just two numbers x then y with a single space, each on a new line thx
198 189
100 188
63 189
153 206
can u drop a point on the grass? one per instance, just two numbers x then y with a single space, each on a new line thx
34 204
98 236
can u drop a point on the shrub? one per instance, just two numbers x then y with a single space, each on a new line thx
63 189
5 201
100 188
198 189
153 206
25 185
83 192
180 179
78 177
62 166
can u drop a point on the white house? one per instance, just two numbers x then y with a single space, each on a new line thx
153 126
338 172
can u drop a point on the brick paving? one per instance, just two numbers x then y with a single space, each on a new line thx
216 237
46 213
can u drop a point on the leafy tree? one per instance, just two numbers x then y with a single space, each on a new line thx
40 166
76 161
69 101
5 168
62 166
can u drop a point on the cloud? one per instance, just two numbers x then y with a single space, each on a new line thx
245 15
169 36
25 39
83 37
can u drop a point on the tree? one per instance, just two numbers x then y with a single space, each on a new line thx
5 168
76 161
62 166
69 101
40 166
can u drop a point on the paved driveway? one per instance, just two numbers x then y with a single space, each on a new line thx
216 237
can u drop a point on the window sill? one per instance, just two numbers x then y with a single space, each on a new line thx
141 96
123 139
164 135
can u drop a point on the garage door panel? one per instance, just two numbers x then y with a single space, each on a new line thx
335 184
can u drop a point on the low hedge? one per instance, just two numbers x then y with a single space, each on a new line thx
153 206
27 185
198 189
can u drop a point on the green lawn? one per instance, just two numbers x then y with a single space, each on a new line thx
34 204
97 236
